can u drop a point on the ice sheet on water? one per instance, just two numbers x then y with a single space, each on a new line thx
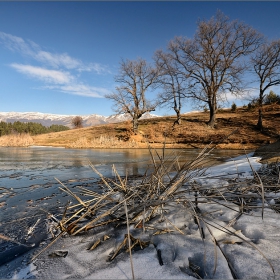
177 249
240 167
236 166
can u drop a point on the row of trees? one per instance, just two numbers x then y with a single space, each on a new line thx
203 68
29 127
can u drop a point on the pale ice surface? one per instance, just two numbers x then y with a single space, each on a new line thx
177 250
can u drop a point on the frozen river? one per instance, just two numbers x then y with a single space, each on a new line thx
29 191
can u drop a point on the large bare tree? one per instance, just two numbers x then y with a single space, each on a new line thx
135 78
266 64
212 59
172 82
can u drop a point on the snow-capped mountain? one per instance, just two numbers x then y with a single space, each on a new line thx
49 119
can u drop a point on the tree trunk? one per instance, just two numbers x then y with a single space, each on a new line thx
260 118
212 119
212 108
135 124
178 119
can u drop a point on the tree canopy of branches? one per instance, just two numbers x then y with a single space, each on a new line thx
77 122
266 64
212 59
135 78
172 83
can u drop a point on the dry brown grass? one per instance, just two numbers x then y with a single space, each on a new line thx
103 141
16 140
193 133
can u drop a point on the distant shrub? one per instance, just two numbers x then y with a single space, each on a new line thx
57 128
233 107
250 106
253 104
77 122
220 110
271 98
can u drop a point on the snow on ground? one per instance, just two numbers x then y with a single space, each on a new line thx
178 251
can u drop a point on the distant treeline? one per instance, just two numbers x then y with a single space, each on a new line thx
29 127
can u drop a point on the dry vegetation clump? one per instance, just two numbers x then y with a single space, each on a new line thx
103 141
16 140
146 203
124 131
80 143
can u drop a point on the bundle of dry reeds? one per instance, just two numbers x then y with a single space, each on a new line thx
16 140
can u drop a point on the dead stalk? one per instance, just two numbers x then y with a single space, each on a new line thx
129 245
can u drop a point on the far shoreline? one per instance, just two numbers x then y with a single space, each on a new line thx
151 145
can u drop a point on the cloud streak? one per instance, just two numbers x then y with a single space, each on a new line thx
58 71
59 80
81 89
17 44
55 60
45 75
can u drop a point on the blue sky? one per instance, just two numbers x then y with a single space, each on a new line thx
61 57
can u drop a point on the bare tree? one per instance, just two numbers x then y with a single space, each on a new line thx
212 59
172 82
266 64
135 78
77 122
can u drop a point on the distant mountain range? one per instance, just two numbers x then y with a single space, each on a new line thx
49 119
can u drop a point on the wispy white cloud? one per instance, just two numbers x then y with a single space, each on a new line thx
17 44
46 75
58 71
243 97
59 81
96 67
56 60
81 89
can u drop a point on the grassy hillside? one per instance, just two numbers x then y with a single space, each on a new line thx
193 132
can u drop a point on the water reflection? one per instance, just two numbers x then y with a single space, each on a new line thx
133 161
22 168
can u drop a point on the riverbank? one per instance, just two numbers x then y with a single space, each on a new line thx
233 130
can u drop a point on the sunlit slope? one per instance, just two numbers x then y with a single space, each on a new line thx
193 132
